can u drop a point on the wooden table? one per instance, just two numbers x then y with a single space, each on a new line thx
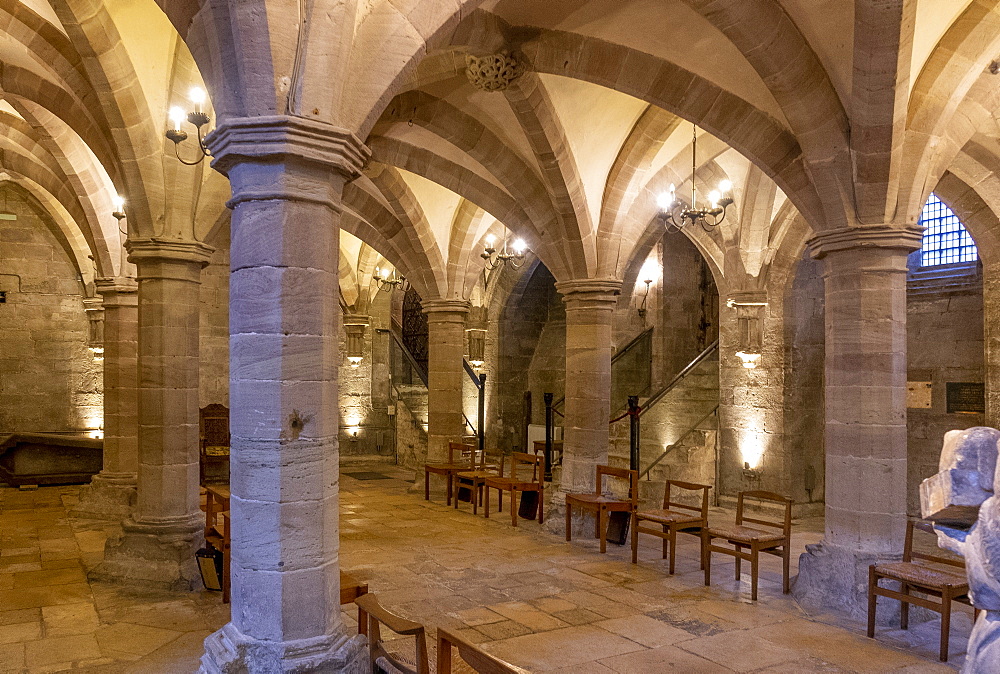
216 501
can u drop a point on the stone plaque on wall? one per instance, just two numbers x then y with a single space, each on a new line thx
968 397
918 394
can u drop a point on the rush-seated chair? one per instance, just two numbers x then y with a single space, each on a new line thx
473 480
601 505
918 573
768 536
675 516
391 660
460 457
474 658
518 481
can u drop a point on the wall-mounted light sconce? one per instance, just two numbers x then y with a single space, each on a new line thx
750 307
354 327
475 332
352 433
94 308
648 274
118 201
752 453
197 117
513 256
388 280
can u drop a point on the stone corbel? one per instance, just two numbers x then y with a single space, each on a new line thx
94 308
475 332
354 327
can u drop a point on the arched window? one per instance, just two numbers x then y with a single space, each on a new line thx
946 240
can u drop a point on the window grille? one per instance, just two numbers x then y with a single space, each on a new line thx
946 240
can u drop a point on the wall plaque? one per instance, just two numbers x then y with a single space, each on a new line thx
918 394
968 397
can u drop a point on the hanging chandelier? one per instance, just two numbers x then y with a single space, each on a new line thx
676 216
495 259
198 117
388 280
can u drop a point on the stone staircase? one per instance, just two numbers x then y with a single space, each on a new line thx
411 425
663 424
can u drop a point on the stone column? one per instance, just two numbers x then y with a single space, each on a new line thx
445 353
165 528
590 304
287 176
865 402
111 493
991 339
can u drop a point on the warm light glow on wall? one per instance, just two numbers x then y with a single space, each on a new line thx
752 449
93 422
749 360
650 271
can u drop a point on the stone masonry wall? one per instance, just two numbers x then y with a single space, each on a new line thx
49 380
214 324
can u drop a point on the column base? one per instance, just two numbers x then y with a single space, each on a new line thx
229 651
109 496
834 579
158 554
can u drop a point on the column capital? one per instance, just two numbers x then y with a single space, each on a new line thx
93 304
164 250
905 238
356 319
115 285
275 137
590 290
445 310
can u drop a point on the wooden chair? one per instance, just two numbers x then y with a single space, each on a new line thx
601 505
461 457
373 614
674 517
515 483
474 657
473 480
755 540
916 574
213 423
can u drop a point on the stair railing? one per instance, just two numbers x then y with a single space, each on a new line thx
676 444
656 397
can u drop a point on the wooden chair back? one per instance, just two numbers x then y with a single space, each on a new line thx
214 426
473 656
769 496
459 452
692 487
629 476
524 459
909 554
378 616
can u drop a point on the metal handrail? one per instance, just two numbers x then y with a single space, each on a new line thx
618 354
677 443
409 357
655 398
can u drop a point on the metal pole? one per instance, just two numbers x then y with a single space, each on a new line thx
482 414
527 420
633 443
548 437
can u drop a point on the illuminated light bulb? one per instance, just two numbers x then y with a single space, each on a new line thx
519 246
713 198
664 200
749 360
176 116
384 273
197 96
490 240
355 361
725 186
118 201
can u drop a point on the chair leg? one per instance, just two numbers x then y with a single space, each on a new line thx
541 506
602 517
872 599
513 507
597 525
477 495
786 555
739 561
706 557
754 566
427 485
499 500
945 624
635 539
486 503
448 497
904 608
673 548
663 542
453 487
569 522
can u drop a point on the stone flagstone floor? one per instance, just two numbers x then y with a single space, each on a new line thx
526 596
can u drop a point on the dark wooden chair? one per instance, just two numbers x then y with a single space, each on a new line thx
213 426
383 659
475 658
675 516
601 505
473 480
519 482
918 573
461 457
774 539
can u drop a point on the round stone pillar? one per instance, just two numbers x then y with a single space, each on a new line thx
445 354
991 340
111 492
164 530
865 401
590 304
287 176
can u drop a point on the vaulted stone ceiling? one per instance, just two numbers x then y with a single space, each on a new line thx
819 124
